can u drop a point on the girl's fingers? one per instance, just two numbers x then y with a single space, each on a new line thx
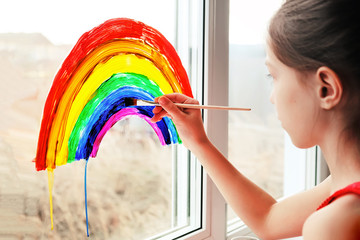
168 108
159 115
157 109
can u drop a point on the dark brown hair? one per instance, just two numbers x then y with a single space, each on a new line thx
308 34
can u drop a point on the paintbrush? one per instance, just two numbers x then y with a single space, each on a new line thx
140 102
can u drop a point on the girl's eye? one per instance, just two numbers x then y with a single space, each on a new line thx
271 78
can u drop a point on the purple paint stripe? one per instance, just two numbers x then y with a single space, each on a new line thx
117 117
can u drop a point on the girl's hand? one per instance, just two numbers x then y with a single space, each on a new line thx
188 121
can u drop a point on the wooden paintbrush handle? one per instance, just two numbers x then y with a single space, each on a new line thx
184 105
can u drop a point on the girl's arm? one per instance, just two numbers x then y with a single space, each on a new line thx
268 218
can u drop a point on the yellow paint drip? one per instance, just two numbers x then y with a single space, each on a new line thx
51 184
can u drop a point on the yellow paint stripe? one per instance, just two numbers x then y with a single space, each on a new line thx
83 72
103 71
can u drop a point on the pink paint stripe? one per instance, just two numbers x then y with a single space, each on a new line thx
119 116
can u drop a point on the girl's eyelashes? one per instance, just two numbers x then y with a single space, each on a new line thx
269 76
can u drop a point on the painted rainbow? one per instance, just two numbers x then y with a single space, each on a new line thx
119 59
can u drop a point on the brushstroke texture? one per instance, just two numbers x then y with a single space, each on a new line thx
118 59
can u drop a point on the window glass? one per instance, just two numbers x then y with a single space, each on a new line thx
133 186
256 139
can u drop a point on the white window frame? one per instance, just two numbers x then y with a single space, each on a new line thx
211 224
215 91
187 171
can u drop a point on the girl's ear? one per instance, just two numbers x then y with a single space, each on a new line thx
329 88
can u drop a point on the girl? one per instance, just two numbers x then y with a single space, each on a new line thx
313 55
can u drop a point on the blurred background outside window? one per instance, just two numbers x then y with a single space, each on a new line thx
256 139
132 186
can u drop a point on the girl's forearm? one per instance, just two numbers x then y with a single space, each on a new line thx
251 203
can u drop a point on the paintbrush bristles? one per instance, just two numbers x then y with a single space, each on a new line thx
130 102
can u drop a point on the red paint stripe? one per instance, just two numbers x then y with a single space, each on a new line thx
119 28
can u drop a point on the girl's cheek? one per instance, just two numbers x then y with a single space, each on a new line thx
272 95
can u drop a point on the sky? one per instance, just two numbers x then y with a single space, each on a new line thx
63 21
